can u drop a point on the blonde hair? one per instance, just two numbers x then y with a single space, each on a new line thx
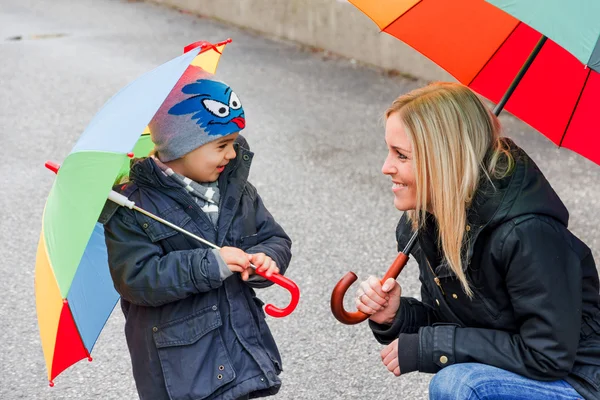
451 132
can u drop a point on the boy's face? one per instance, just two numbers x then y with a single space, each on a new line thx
206 163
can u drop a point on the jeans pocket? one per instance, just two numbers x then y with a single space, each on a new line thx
192 355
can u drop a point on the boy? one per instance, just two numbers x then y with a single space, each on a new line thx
194 327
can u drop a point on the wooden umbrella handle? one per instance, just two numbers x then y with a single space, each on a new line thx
337 296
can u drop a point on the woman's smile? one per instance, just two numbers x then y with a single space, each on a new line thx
398 187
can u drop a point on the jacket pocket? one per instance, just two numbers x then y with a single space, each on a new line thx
266 337
157 231
487 306
249 241
193 356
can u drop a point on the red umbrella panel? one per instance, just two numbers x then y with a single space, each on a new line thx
484 48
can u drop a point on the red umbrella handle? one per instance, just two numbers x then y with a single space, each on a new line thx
337 295
291 287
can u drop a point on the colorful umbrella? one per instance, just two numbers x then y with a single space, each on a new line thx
486 48
507 61
73 287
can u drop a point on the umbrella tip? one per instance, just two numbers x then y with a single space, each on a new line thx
90 359
52 166
50 383
130 155
202 44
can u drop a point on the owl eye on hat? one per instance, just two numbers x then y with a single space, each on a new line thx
198 110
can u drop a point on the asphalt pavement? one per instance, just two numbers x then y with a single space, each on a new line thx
315 123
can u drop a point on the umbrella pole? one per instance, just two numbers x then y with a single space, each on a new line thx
173 226
281 280
500 106
125 202
178 229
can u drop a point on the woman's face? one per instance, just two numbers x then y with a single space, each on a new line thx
399 165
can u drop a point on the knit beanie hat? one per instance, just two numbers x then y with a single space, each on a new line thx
198 110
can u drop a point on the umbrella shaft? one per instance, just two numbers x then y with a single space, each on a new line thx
179 229
520 75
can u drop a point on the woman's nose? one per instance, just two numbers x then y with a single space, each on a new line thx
388 168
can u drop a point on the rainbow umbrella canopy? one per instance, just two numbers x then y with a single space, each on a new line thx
539 59
73 288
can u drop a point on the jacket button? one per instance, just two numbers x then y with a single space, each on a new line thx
145 226
246 157
214 308
262 379
155 329
468 228
221 367
437 302
443 359
454 296
219 376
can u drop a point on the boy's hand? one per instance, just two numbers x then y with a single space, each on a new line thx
263 263
237 260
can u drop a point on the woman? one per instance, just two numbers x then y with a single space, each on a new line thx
510 302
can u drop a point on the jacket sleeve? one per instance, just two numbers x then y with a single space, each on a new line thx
543 278
144 275
411 316
412 313
271 240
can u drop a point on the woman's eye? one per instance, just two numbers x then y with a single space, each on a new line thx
234 101
216 107
401 156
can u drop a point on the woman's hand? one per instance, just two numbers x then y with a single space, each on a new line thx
389 356
263 263
381 302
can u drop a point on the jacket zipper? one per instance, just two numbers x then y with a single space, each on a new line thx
435 278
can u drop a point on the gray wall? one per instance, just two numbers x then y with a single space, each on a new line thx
333 25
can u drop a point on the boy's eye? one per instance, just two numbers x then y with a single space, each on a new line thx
216 107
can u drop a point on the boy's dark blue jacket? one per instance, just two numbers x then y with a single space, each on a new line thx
191 334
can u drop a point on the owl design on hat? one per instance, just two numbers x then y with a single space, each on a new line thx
213 105
197 110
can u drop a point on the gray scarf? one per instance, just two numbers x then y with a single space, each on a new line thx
205 194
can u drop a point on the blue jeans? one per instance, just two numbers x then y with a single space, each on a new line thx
472 381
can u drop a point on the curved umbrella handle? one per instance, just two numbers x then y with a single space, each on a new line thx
288 284
337 296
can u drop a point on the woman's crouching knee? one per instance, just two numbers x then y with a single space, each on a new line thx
454 382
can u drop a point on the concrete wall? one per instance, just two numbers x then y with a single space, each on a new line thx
333 25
